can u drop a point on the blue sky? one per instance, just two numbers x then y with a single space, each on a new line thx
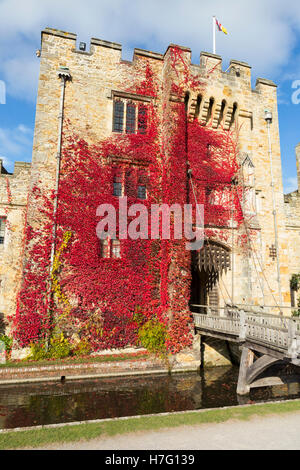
264 33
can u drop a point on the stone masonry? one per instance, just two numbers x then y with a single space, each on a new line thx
99 75
14 190
292 211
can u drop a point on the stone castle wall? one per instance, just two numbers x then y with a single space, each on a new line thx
292 211
14 190
99 74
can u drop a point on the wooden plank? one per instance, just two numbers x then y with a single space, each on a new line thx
265 349
243 388
267 334
218 335
259 366
271 381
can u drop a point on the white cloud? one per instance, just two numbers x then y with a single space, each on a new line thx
21 77
15 144
262 33
290 185
24 129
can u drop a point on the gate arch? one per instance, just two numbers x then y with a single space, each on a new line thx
208 264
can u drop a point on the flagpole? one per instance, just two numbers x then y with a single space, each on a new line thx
214 35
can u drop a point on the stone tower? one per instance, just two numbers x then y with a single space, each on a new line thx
97 77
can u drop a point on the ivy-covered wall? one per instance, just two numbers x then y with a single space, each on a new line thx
200 121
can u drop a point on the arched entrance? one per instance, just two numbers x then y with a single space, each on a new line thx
208 264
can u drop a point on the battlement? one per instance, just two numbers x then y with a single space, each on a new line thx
3 170
104 98
208 62
18 167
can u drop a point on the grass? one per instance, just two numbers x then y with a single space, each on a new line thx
74 360
47 436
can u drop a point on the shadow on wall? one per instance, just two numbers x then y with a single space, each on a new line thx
217 352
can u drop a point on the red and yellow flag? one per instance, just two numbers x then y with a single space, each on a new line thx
221 27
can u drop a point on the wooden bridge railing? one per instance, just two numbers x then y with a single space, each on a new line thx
230 326
277 332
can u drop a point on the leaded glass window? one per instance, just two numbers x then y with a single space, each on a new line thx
115 249
118 187
142 193
118 119
2 230
142 119
105 251
130 118
142 185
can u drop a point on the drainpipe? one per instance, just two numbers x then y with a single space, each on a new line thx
188 169
64 75
268 119
232 245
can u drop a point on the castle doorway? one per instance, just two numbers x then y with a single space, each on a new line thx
208 264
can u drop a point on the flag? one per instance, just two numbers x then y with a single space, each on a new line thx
221 28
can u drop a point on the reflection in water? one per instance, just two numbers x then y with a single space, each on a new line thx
48 403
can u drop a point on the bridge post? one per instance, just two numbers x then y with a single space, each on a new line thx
243 327
292 341
247 359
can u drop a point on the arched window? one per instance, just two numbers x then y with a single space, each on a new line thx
210 110
222 112
249 198
198 105
234 114
186 101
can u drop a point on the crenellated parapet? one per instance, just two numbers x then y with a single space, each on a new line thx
225 95
209 63
104 86
223 99
19 167
14 186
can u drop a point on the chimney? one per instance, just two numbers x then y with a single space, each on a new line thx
298 164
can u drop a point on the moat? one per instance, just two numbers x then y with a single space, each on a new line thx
50 403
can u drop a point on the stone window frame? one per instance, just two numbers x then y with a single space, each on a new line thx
142 192
118 183
140 102
121 175
250 193
3 225
131 115
118 116
110 248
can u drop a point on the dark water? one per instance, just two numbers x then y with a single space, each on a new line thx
49 403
